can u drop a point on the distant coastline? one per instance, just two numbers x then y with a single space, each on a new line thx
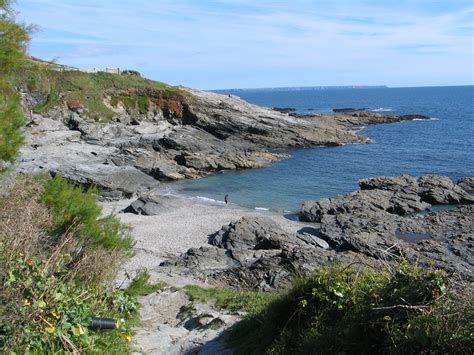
298 88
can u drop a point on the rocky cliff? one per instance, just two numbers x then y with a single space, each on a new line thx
125 134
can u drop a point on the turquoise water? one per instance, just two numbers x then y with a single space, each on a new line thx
443 145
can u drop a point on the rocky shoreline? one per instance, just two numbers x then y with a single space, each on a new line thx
370 226
205 133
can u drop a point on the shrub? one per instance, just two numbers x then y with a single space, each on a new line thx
131 72
71 207
51 284
13 42
11 122
43 311
362 311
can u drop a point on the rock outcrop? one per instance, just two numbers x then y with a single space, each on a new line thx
182 136
379 218
370 226
150 205
466 183
255 253
402 195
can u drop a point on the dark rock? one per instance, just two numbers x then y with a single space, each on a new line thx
466 183
348 110
401 195
252 233
152 205
441 190
284 109
377 221
256 253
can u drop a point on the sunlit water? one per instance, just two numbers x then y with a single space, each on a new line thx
443 145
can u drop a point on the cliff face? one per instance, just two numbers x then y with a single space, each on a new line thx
125 134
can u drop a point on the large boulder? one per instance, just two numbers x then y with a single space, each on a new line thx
152 205
252 233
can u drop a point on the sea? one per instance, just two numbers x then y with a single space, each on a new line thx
442 145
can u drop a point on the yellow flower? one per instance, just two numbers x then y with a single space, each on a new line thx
126 337
50 329
29 262
55 314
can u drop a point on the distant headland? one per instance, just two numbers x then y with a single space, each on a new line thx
297 88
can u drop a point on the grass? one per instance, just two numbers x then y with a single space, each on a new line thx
141 286
404 310
91 89
231 300
58 271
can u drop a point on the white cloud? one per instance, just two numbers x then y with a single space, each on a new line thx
275 43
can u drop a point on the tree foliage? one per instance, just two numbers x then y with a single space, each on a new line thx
13 43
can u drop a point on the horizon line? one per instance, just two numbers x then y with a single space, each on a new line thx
347 87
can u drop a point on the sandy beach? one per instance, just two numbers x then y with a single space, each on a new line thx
184 223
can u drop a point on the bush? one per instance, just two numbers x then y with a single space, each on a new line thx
11 122
362 311
71 207
131 72
44 311
13 41
56 276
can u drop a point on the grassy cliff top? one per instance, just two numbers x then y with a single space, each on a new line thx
89 90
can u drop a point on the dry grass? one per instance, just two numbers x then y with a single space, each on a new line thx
25 223
23 219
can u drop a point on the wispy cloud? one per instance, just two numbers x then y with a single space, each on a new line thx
219 43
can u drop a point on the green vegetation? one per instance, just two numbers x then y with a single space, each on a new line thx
401 310
131 102
72 208
131 72
141 286
59 260
91 90
231 300
13 41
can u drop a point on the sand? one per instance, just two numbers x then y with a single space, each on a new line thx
181 226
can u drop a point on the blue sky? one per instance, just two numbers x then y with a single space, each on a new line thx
214 44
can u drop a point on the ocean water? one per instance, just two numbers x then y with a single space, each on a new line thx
443 145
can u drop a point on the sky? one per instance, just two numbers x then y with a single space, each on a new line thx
218 44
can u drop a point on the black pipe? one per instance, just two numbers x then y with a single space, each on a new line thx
102 323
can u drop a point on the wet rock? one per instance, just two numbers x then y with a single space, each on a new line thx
284 109
377 222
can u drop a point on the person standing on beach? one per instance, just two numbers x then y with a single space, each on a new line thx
226 199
